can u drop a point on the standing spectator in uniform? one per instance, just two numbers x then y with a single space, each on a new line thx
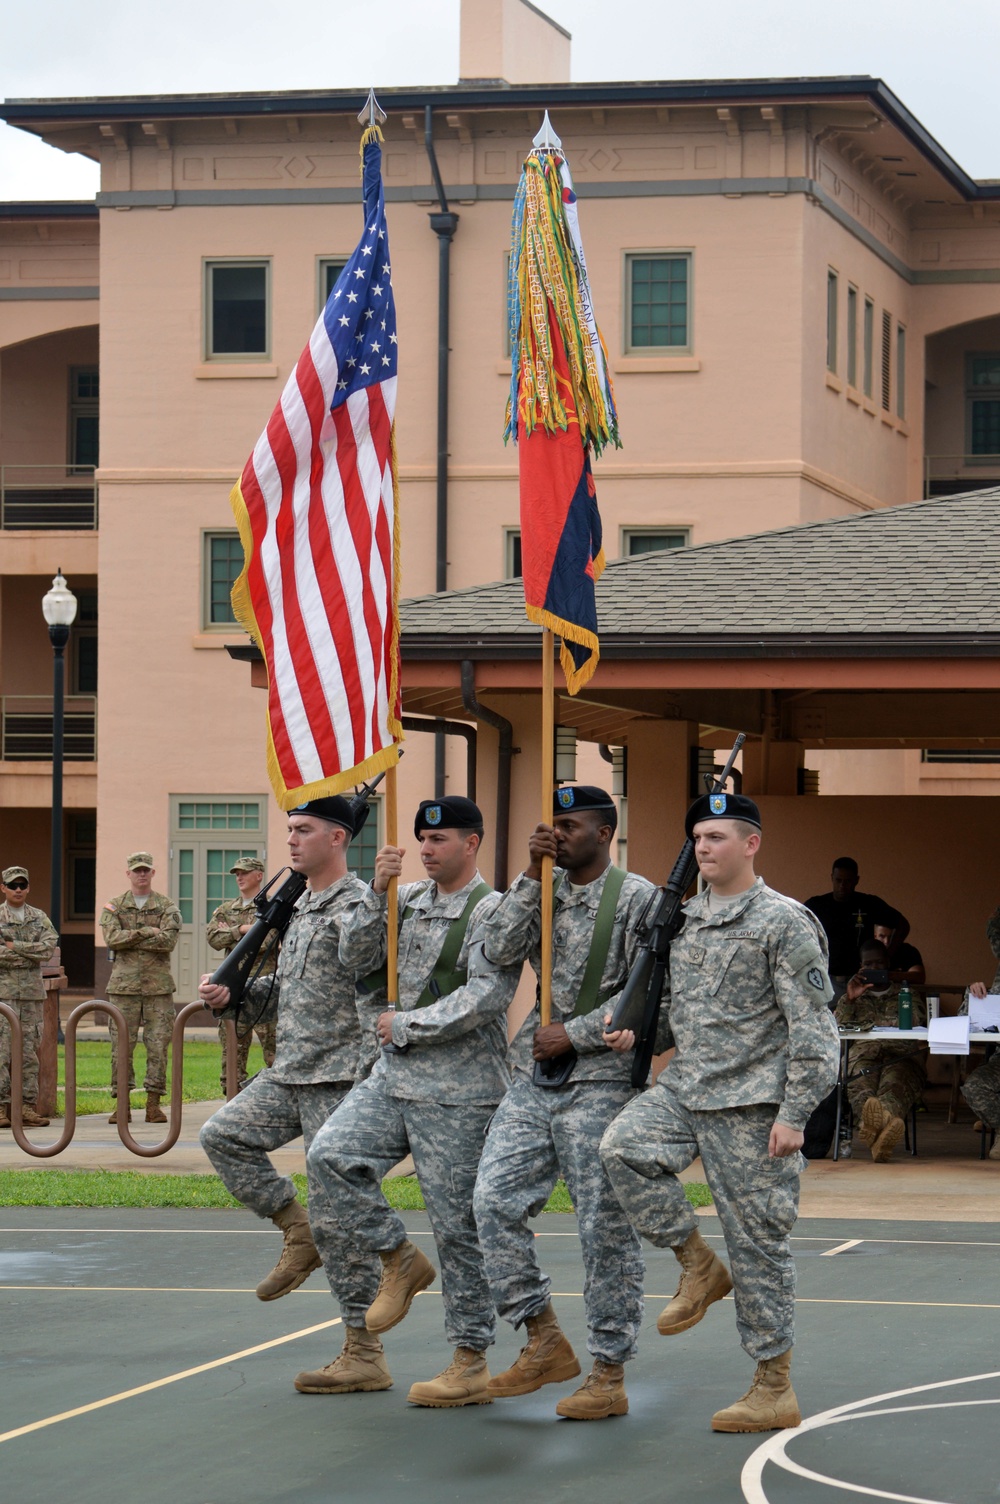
849 919
141 927
756 1048
982 1089
315 1066
226 929
885 1077
431 1094
27 941
540 1133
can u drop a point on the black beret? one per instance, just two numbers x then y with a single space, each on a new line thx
454 813
581 796
722 807
335 808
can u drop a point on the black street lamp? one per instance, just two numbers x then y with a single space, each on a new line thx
59 610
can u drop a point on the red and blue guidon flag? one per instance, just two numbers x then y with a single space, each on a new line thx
317 509
561 407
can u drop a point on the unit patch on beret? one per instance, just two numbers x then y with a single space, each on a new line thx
432 814
565 797
717 804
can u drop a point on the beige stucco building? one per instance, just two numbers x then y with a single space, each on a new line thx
799 289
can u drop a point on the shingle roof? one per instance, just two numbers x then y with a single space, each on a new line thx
917 578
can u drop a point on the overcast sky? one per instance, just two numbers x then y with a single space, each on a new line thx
941 60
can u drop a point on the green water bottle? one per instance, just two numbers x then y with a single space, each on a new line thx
905 1008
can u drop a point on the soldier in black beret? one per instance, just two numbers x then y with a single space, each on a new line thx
454 813
336 809
722 807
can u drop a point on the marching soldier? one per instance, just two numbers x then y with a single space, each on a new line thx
27 941
141 927
226 928
431 1093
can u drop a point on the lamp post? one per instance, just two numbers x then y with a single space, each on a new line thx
59 610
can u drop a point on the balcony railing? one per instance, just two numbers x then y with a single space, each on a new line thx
951 474
26 728
46 497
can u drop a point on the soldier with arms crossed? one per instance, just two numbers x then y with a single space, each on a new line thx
747 1007
315 1064
27 941
226 929
540 1133
431 1093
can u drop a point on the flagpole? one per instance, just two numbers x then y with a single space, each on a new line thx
548 759
392 915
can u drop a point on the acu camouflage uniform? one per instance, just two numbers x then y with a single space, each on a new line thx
223 934
315 1066
22 987
894 1071
433 1101
539 1134
747 1007
982 1089
140 982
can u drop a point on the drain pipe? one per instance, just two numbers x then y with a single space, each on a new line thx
441 727
504 756
444 223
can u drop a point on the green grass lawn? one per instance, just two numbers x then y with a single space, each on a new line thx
137 1189
202 1065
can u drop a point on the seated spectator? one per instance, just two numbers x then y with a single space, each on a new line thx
982 1089
906 964
849 919
886 1078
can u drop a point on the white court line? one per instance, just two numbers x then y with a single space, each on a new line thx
172 1378
841 1248
773 1450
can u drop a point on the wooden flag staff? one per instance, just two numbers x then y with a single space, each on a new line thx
392 907
548 759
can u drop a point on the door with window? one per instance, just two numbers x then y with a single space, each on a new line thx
208 834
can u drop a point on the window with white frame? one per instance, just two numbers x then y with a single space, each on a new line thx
868 348
982 407
328 269
900 371
512 553
832 287
237 322
658 301
852 336
222 562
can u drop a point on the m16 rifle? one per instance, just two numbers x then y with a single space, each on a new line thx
274 911
638 1006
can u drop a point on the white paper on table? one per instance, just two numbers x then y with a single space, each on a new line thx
897 1032
949 1036
984 1012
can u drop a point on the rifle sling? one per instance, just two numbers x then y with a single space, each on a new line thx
589 994
447 975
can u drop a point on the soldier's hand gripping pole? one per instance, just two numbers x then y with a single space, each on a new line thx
638 1006
274 912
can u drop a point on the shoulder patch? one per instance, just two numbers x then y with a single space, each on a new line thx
816 979
110 908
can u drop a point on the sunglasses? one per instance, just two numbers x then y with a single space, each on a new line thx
17 887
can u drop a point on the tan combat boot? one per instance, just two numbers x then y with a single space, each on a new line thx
128 1115
32 1119
360 1366
405 1272
154 1112
768 1405
4 1114
888 1139
602 1393
873 1120
704 1279
546 1358
463 1382
993 1154
298 1255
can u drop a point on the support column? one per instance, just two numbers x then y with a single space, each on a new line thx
772 767
659 793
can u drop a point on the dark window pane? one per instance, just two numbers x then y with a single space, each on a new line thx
331 271
658 316
225 563
83 886
985 370
86 664
239 310
654 543
985 434
86 385
85 439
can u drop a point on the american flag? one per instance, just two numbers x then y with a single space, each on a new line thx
317 512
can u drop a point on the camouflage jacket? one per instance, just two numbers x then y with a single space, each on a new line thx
21 963
223 933
141 939
993 936
312 996
457 1046
514 936
748 1007
881 1009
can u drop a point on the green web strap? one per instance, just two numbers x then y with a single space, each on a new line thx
447 976
589 994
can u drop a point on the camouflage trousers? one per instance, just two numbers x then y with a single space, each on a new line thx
156 1014
981 1091
876 1070
373 1131
30 1014
756 1199
266 1035
536 1136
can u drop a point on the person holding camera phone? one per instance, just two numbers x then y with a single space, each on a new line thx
886 1078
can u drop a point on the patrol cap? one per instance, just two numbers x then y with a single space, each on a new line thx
722 807
138 859
10 873
455 813
334 808
247 864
